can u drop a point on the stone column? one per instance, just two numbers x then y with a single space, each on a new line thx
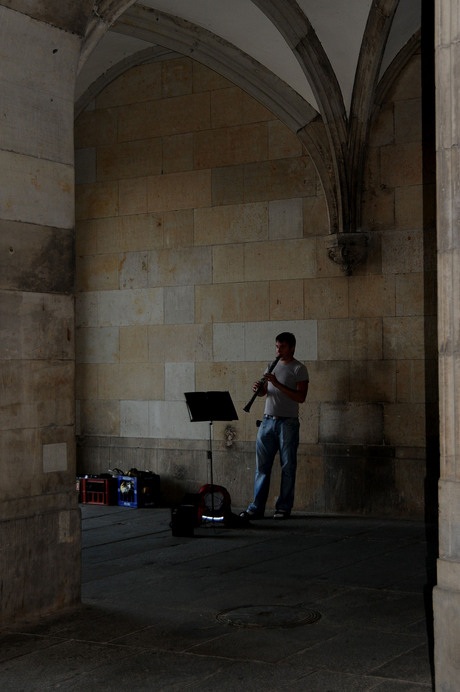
447 592
39 514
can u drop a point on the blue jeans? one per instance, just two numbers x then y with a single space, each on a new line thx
276 435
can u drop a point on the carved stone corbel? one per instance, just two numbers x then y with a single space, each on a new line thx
348 250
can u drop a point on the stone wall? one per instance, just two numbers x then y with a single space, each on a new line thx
39 513
202 232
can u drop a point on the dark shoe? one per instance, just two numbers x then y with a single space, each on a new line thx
279 514
250 514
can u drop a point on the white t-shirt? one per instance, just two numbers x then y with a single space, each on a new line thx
277 403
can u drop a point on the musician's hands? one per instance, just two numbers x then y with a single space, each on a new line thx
270 377
256 385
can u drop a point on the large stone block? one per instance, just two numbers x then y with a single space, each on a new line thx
138 232
371 296
410 206
86 310
22 131
277 260
228 263
315 215
226 108
170 419
232 302
97 272
134 344
177 153
341 339
351 423
231 146
180 378
183 343
279 179
86 236
373 380
96 200
134 381
228 185
326 298
36 326
52 536
37 87
85 165
173 191
179 305
401 164
405 424
134 418
190 113
135 307
86 381
408 120
282 143
133 270
180 267
411 381
403 337
132 196
140 83
26 186
360 481
36 258
178 228
129 159
96 127
285 219
98 345
231 224
176 77
36 393
330 381
99 417
286 300
236 377
410 295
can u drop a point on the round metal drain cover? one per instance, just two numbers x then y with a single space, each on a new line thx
268 616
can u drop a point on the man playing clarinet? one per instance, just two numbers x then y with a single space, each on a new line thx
285 387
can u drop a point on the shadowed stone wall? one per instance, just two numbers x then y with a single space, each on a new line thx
39 514
202 232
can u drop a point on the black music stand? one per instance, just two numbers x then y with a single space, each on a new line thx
210 406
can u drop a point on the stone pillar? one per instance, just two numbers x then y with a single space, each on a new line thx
39 514
447 592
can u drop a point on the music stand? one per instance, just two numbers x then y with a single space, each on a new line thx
210 406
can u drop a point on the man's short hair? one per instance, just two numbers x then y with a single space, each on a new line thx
286 338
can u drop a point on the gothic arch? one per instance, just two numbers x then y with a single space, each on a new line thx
166 33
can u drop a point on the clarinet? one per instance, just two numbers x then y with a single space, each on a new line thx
272 365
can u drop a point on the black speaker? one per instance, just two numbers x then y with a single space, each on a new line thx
183 520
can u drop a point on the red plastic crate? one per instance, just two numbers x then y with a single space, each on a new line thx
98 491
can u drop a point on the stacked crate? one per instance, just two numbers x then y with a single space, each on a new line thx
97 490
139 491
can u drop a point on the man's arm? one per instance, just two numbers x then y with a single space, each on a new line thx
299 395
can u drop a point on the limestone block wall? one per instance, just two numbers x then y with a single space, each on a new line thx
202 232
39 514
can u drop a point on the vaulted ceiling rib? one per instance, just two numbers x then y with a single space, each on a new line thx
229 43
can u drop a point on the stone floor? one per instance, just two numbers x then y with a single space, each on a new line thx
308 604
